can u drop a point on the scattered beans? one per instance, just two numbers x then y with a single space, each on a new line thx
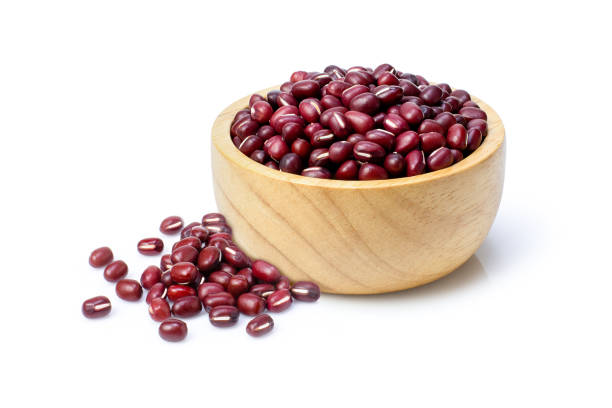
173 330
171 225
260 325
306 291
100 257
96 307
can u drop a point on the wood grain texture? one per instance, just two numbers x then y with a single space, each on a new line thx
359 237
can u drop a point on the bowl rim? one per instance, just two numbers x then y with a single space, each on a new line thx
222 141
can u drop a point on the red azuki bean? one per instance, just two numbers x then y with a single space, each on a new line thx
285 98
335 71
208 288
251 304
366 102
431 141
316 172
265 272
184 272
175 292
189 241
209 258
330 101
394 123
388 94
291 131
339 124
158 290
306 88
166 278
128 289
311 129
100 257
150 276
415 163
250 144
173 330
337 87
276 147
367 151
359 77
260 325
341 151
456 137
474 139
406 141
235 257
430 125
255 98
225 267
213 300
319 157
428 111
298 76
223 316
359 121
187 306
446 119
262 289
370 171
322 138
171 225
347 170
439 159
159 309
115 270
446 89
462 95
271 97
454 103
283 283
217 228
349 93
395 165
381 137
387 78
96 307
165 262
279 300
431 94
285 87
222 235
395 109
291 163
457 155
150 246
306 291
301 147
185 253
327 114
200 233
311 109
265 132
220 243
213 218
220 277
248 274
246 128
411 113
479 124
355 137
245 113
186 232
473 113
421 80
409 88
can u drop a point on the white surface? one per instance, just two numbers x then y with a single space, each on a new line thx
105 112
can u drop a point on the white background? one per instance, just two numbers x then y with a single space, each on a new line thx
105 114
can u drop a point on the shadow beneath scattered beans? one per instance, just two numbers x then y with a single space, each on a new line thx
467 274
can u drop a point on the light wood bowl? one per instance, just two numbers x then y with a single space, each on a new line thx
359 237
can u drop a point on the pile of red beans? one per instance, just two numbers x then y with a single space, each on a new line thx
359 124
207 271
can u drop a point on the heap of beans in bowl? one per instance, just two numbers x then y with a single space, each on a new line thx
359 124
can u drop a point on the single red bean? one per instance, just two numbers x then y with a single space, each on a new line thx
171 225
306 291
248 274
359 121
388 94
311 129
115 270
100 257
246 128
454 103
283 283
235 257
322 138
301 147
461 95
175 292
382 138
409 88
457 155
395 109
355 137
428 112
271 97
184 272
165 262
347 170
262 289
220 277
291 163
306 88
223 316
319 157
431 141
213 218
279 300
431 94
285 98
406 141
250 144
276 147
200 233
187 306
370 171
150 276
251 304
330 101
337 87
366 102
479 124
298 76
266 132
209 258
150 246
474 139
225 267
456 137
421 80
96 307
159 309
208 288
473 113
217 228
395 165
349 93
213 300
291 131
219 242
327 114
186 232
316 172
415 163
367 151
339 125
128 289
245 113
265 271
158 290
411 113
359 77
254 98
387 78
166 278
440 159
430 125
185 253
260 325
173 330
341 151
311 109
189 241
394 123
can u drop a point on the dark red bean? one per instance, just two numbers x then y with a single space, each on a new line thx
271 97
479 124
370 171
250 144
219 242
461 95
306 88
250 304
291 131
301 147
339 125
471 113
248 274
255 98
262 289
115 270
327 114
339 152
159 309
266 132
185 253
388 94
150 276
222 235
213 218
319 157
359 121
224 316
387 78
208 288
225 267
246 128
311 129
431 94
165 263
276 147
175 292
415 163
366 102
208 259
235 257
171 225
183 272
291 162
456 137
457 155
100 257
355 137
409 88
430 125
330 101
285 98
474 139
150 246
454 103
395 109
217 228
260 325
166 278
298 76
311 109
218 299
220 277
440 159
200 233
411 113
347 170
283 283
382 138
306 291
446 89
187 306
394 123
189 241
279 300
96 307
245 113
406 141
158 290
316 172
337 87
367 151
359 77
265 271
128 289
322 138
421 80
349 93
431 141
173 330
186 232
395 165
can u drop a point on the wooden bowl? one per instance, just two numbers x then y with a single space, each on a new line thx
359 237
